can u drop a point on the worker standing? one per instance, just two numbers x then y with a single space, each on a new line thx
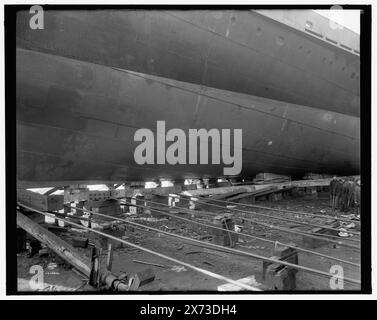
338 192
332 192
357 196
345 194
351 194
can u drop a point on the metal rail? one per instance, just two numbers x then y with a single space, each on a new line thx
247 236
206 213
340 243
203 271
277 218
256 256
269 208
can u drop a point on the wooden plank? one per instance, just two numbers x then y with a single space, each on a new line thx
226 195
220 190
52 191
232 287
255 193
59 246
68 253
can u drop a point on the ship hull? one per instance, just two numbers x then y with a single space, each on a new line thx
76 121
240 51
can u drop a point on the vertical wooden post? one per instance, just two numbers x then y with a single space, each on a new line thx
109 262
95 267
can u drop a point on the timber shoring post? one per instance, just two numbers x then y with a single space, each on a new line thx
67 252
109 261
95 266
53 242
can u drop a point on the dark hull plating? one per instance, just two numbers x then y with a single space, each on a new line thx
76 121
239 51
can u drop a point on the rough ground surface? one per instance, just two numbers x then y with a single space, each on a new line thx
172 277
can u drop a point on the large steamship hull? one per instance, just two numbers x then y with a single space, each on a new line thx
90 79
80 125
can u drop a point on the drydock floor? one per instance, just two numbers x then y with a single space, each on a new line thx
170 277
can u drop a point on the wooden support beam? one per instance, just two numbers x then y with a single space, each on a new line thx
252 187
223 237
313 243
47 193
141 278
109 261
254 194
278 276
94 278
68 253
232 287
59 246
